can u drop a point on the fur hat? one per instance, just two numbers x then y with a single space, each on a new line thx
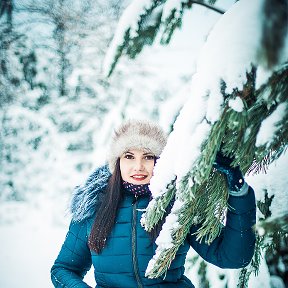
136 134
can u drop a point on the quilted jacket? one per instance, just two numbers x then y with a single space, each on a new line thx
124 259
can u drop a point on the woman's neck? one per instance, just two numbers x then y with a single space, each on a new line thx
137 190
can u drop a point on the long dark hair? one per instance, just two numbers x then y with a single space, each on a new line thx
106 214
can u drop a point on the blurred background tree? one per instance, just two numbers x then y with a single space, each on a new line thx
57 109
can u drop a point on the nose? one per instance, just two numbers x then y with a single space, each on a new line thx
139 165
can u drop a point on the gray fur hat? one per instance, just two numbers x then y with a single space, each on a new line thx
136 134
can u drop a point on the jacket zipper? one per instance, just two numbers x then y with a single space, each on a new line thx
134 256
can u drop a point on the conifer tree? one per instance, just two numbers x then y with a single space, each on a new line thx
238 105
19 91
16 57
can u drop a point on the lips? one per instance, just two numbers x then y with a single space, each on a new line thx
139 177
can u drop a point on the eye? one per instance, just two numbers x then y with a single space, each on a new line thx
128 156
149 157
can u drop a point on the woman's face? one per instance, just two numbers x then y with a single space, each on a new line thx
137 166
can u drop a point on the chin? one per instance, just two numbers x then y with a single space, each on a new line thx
137 182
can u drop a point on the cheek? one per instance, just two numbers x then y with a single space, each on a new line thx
150 169
124 169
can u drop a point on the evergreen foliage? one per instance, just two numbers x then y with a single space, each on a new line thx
270 235
154 19
201 195
202 271
205 202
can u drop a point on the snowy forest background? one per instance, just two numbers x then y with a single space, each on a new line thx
58 110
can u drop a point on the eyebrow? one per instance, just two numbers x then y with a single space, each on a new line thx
144 154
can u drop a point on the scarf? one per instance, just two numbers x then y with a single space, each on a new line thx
137 190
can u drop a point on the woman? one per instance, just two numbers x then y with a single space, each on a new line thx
105 230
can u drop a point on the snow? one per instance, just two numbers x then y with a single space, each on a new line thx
275 182
244 39
129 19
42 223
32 261
236 104
184 46
264 280
172 106
169 6
151 264
270 126
31 237
164 240
32 232
216 62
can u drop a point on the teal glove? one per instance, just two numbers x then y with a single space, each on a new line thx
235 180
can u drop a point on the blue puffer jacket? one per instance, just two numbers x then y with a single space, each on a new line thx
124 259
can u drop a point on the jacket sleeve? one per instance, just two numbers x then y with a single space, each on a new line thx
234 247
74 259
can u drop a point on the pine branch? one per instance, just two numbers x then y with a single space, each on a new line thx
164 255
202 271
157 209
270 233
202 191
209 6
151 23
237 133
210 208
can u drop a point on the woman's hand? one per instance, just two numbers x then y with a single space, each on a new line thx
235 180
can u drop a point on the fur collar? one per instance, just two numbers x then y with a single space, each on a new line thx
85 198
